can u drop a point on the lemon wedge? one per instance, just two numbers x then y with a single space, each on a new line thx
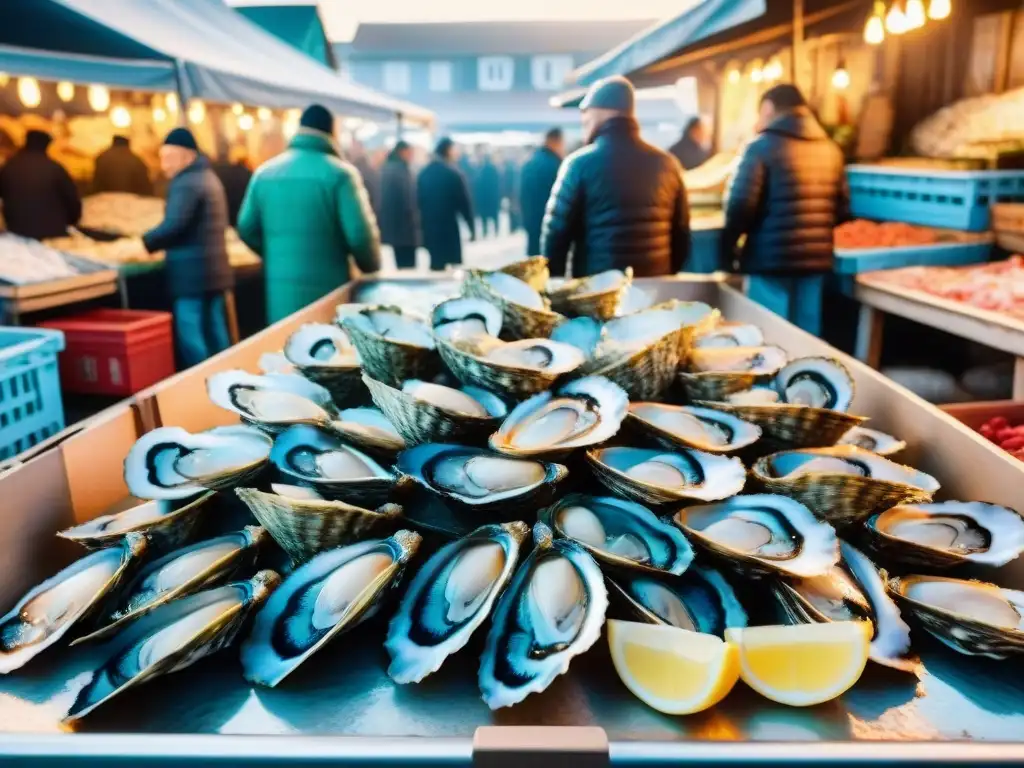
804 664
673 670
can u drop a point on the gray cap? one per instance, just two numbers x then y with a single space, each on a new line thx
614 92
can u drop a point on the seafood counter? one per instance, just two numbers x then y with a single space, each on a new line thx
558 504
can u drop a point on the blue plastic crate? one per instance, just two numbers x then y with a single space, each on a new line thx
948 199
31 408
854 261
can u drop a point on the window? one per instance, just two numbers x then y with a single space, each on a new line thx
495 73
396 77
440 76
548 73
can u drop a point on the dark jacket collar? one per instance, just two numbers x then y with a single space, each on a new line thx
314 141
200 163
549 151
798 123
618 126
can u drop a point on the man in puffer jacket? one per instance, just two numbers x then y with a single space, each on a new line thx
787 195
618 202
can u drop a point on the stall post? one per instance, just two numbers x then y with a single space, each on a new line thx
798 39
179 86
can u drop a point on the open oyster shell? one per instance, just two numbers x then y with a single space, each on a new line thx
514 369
331 594
714 373
323 354
392 346
369 429
46 612
273 401
465 318
818 382
525 313
872 440
172 637
552 611
532 271
790 426
450 597
598 296
727 334
705 429
166 524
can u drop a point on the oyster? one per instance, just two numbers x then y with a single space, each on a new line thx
715 373
181 573
517 368
659 477
369 429
581 413
392 346
819 382
552 611
843 484
332 593
853 590
480 479
166 524
872 440
642 329
971 617
172 637
947 534
525 313
170 463
584 333
787 426
465 318
634 300
731 335
599 296
619 533
323 354
274 401
700 600
49 610
759 395
337 471
450 597
532 271
686 427
762 535
423 412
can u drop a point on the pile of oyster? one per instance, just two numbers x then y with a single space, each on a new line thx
535 458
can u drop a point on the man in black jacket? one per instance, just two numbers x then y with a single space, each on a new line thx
539 174
691 150
40 199
118 169
618 202
192 235
399 218
443 196
787 195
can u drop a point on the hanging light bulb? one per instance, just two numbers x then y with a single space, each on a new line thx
291 122
171 102
120 117
773 71
264 114
940 9
196 111
65 90
99 98
28 91
237 109
159 114
841 77
756 74
4 79
874 29
734 76
245 121
915 14
896 19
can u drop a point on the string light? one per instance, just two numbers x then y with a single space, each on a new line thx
264 114
245 121
915 14
196 111
237 109
171 102
841 77
159 114
940 9
120 117
773 71
65 90
99 98
896 19
756 74
4 79
28 91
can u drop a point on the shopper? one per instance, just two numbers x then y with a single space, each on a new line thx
692 148
118 169
618 202
39 198
787 196
192 235
399 215
487 197
539 174
443 196
511 178
235 174
369 173
305 212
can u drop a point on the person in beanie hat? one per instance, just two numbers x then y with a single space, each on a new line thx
306 212
618 201
399 212
443 194
192 236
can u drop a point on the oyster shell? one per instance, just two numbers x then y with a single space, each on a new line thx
599 296
274 401
705 429
332 593
525 313
872 440
619 533
762 535
369 429
715 373
324 354
972 617
172 637
819 382
660 477
49 610
392 346
788 426
731 335
450 597
532 271
518 368
304 524
465 318
170 463
947 534
844 484
581 413
180 573
634 300
584 333
552 611
166 524
642 329
477 478
700 600
757 395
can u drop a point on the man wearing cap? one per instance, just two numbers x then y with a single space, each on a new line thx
617 202
192 235
306 212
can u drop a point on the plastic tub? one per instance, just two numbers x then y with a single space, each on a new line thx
851 261
31 409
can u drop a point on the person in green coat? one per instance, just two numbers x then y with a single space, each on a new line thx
305 212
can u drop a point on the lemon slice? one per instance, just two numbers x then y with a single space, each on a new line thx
673 670
804 664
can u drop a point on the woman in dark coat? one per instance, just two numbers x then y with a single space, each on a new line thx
443 198
399 215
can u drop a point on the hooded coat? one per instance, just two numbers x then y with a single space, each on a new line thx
39 197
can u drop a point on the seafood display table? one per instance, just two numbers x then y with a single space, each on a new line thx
342 707
18 300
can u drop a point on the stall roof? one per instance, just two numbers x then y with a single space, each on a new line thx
298 25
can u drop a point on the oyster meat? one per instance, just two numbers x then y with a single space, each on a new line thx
514 368
552 611
758 361
368 428
642 329
659 477
273 401
819 382
387 323
320 346
536 354
515 290
597 296
753 396
873 440
689 427
731 335
167 524
464 318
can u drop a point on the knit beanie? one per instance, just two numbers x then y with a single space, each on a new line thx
318 118
181 137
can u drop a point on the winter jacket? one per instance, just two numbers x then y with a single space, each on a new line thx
399 215
40 199
443 197
235 178
539 174
618 202
689 153
118 169
371 181
487 195
787 195
305 212
192 233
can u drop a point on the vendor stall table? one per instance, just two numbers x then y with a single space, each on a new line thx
18 300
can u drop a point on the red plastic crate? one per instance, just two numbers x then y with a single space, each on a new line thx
115 351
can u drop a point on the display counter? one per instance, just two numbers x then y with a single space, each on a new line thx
343 709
